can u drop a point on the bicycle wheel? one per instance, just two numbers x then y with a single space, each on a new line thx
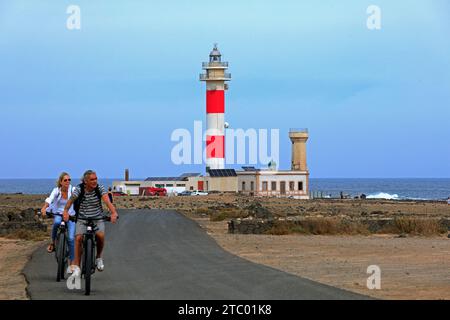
60 255
88 266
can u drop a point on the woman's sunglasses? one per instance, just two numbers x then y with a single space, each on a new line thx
65 180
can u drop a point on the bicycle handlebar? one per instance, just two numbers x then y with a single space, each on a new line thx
73 218
51 215
105 218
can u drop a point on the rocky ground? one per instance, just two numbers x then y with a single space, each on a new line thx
280 207
311 238
283 207
319 216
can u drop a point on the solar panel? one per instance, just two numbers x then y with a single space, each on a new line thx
190 174
222 173
163 179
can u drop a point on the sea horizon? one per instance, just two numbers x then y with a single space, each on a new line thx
375 188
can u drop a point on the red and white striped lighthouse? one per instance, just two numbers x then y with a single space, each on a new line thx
215 78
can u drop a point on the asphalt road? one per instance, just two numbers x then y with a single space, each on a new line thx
160 254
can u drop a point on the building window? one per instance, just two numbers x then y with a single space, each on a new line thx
252 185
243 185
181 185
169 185
264 186
283 187
291 185
274 186
300 185
191 188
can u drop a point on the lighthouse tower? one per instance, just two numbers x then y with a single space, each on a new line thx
215 78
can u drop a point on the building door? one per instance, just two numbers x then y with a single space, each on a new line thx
200 185
283 187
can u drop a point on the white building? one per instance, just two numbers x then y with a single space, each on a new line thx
127 187
186 181
279 183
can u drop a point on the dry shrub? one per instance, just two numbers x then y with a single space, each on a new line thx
280 229
223 214
352 227
338 226
319 226
203 210
425 227
218 216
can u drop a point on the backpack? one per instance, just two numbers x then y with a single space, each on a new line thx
80 199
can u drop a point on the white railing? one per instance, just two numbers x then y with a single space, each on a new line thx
304 130
226 76
215 64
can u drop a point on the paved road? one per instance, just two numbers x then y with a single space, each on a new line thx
160 254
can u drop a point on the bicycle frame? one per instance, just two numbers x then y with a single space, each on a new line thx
89 250
91 229
61 257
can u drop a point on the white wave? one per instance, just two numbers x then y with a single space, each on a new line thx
383 195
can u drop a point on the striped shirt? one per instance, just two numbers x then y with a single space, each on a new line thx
91 206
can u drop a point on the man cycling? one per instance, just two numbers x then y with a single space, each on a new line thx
88 198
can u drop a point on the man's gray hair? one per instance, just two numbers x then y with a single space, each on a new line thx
87 174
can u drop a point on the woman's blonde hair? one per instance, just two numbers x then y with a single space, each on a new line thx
60 179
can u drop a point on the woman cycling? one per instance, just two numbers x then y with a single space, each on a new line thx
55 204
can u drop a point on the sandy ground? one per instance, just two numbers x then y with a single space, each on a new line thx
14 254
411 268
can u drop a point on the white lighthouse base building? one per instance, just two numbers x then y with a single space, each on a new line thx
268 183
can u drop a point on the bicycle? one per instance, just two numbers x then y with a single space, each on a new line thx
89 250
62 246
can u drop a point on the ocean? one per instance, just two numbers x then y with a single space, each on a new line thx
396 189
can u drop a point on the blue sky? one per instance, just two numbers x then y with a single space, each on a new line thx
108 96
